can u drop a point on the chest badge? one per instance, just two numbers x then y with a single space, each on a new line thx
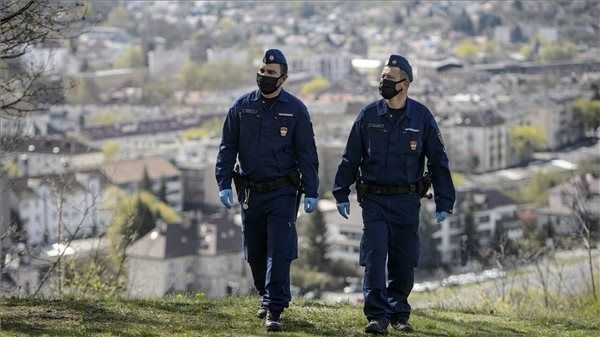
413 145
283 131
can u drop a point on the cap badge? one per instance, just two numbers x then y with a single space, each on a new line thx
283 131
413 145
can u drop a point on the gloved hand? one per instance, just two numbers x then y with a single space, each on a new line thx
310 204
441 216
226 198
344 209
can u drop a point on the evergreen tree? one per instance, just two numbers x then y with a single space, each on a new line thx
144 220
517 35
430 256
470 238
317 246
463 23
162 192
146 183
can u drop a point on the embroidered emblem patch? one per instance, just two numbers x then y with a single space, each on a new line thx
283 131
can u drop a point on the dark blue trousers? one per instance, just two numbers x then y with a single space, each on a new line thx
390 241
271 244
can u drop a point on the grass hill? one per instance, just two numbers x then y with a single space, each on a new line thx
189 316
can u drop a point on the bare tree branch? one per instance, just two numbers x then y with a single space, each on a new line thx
16 14
23 25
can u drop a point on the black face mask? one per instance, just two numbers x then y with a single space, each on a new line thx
266 84
387 88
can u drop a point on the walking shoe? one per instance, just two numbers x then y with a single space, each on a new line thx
377 326
273 321
402 325
261 312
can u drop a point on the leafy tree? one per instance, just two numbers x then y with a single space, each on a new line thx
315 86
157 92
458 179
526 139
536 191
82 91
133 217
119 17
110 150
132 57
210 128
557 51
589 112
467 49
214 76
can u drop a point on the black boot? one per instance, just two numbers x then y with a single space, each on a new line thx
377 326
273 321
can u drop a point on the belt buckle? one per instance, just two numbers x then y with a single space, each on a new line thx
412 188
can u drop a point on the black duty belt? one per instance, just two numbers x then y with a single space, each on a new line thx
421 187
245 186
268 186
387 189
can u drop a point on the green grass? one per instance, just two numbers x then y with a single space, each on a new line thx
183 316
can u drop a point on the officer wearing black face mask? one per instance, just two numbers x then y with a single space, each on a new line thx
270 133
385 156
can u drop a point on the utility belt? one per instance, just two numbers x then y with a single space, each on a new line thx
245 186
420 187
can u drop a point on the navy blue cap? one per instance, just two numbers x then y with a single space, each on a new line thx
402 63
274 56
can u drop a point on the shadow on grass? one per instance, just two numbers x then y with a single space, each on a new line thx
68 318
475 328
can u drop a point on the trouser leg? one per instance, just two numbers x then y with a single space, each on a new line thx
373 252
402 257
255 245
282 243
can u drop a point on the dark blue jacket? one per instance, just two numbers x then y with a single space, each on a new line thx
271 142
392 151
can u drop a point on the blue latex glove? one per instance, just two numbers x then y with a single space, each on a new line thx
441 216
310 204
226 198
344 209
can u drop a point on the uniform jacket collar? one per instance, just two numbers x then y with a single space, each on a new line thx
284 96
382 108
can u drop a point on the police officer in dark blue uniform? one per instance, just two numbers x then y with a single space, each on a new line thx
385 156
270 132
